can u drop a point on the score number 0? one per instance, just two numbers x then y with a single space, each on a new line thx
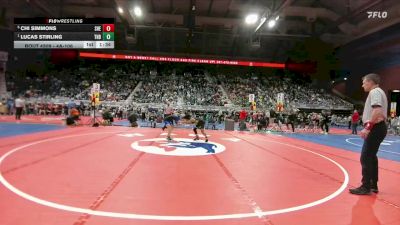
108 27
108 32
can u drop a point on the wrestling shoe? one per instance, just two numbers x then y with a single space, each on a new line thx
374 188
360 191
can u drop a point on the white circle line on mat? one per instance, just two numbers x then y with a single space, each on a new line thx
380 150
163 217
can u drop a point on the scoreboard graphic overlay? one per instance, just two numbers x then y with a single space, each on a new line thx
75 33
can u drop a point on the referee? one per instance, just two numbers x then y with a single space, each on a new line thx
374 132
19 107
169 120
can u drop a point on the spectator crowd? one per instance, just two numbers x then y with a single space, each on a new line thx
266 89
56 92
185 89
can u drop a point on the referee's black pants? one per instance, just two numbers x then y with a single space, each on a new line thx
369 160
18 113
325 126
291 123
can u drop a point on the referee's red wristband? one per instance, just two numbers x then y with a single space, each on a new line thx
369 125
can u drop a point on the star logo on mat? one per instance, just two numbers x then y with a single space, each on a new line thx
231 139
191 144
131 135
177 147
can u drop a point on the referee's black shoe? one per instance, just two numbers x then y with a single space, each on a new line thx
374 187
360 191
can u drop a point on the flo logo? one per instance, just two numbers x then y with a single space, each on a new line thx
377 14
177 147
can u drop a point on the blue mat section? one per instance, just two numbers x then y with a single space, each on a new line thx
389 149
13 129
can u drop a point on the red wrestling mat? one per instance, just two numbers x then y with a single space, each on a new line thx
119 175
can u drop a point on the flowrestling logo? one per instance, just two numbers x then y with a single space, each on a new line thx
177 147
377 14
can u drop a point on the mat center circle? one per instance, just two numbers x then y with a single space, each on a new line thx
177 147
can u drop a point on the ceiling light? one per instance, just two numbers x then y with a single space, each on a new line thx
120 10
262 21
345 78
138 11
277 18
251 19
271 23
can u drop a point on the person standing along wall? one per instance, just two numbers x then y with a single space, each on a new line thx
354 121
19 106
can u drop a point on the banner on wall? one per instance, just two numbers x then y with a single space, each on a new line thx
95 94
182 60
280 99
251 97
253 106
393 106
